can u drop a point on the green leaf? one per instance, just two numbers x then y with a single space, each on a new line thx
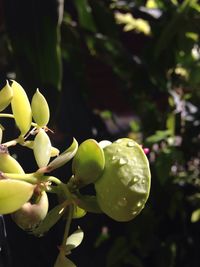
158 136
74 240
172 27
78 212
85 15
52 218
42 148
88 163
195 217
13 194
64 157
170 124
89 203
62 261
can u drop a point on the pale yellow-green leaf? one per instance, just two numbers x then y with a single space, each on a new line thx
21 108
42 148
40 109
13 194
64 157
74 240
9 165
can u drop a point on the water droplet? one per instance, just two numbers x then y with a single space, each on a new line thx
134 212
130 144
122 202
114 158
135 179
122 161
139 204
143 181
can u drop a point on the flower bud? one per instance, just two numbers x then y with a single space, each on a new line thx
21 108
40 109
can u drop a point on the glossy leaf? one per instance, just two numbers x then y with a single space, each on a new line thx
40 109
64 157
88 203
8 164
30 144
74 240
21 108
124 187
52 218
88 163
13 194
42 148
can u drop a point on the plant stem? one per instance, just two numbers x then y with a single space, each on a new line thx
53 179
11 116
67 226
12 142
6 115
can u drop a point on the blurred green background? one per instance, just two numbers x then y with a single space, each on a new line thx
110 69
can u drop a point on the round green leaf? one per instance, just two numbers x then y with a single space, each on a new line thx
88 163
123 189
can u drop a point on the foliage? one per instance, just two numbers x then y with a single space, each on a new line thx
24 195
154 78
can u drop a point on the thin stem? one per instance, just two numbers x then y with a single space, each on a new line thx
53 179
52 189
11 116
12 142
67 226
6 115
66 191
